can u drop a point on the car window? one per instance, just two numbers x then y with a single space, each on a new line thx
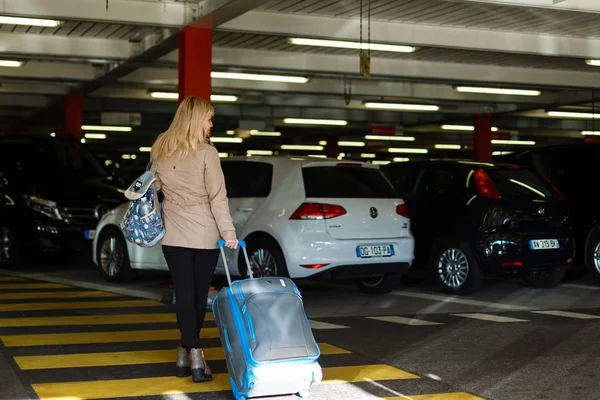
437 180
403 176
347 182
521 183
247 178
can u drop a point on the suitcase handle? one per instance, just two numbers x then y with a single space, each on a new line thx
242 244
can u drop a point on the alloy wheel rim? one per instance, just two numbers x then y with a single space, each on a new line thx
597 257
111 256
5 245
263 263
453 268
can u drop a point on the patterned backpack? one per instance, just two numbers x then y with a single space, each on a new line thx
143 224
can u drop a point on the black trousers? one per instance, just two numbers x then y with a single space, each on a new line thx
192 271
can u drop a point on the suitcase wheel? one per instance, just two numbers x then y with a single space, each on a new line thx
303 393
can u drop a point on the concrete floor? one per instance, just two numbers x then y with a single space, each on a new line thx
507 342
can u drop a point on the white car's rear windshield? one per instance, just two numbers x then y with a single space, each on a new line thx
346 182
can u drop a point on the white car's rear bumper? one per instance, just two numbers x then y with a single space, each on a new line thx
324 255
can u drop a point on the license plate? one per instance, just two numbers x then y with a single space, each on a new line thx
89 234
377 250
544 244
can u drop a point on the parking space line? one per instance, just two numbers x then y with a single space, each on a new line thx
54 295
100 337
325 325
453 299
111 359
579 286
567 314
96 305
490 317
91 320
10 278
10 286
404 321
439 396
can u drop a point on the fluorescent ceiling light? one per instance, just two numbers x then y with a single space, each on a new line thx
593 63
47 23
145 149
10 63
255 132
106 128
368 155
398 106
230 132
464 128
220 139
567 114
393 138
305 121
128 156
95 136
351 45
489 90
53 134
300 147
323 142
518 142
259 153
223 97
223 155
591 133
82 140
317 155
408 150
258 77
380 162
175 96
448 146
499 153
401 159
351 144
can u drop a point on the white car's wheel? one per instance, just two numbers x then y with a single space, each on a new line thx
266 258
113 258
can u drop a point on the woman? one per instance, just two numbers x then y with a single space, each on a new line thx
196 215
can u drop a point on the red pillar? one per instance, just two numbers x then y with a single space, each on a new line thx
332 149
195 62
74 115
482 138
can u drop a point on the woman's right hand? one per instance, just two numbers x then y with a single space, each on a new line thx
232 243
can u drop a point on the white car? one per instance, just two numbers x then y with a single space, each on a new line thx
301 217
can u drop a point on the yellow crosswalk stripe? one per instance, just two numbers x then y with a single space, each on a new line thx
93 320
99 337
54 295
10 278
78 305
172 385
439 396
128 358
7 286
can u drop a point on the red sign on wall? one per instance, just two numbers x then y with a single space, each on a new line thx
501 135
387 130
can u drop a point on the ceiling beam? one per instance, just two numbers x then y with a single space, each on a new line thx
57 71
415 34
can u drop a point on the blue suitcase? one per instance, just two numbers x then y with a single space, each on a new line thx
266 336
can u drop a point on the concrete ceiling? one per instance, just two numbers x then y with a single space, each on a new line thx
119 51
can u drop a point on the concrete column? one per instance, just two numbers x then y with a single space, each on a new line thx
482 138
195 62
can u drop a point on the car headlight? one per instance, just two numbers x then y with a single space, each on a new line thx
43 206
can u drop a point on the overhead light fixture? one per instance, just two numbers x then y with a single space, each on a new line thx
401 159
259 153
230 132
223 155
491 90
408 150
258 77
593 63
350 144
95 136
569 114
590 133
46 23
255 132
392 138
317 155
300 147
145 149
106 128
340 44
448 146
463 128
128 156
221 139
10 63
380 162
309 121
368 155
175 96
517 142
323 142
53 134
499 153
82 140
223 98
404 107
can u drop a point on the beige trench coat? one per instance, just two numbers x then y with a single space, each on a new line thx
195 207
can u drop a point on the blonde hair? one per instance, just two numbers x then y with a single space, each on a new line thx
186 131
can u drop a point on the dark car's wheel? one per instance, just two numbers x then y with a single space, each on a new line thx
113 258
266 258
380 284
10 256
545 279
455 267
592 252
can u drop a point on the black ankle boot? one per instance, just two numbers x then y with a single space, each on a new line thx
183 363
200 370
